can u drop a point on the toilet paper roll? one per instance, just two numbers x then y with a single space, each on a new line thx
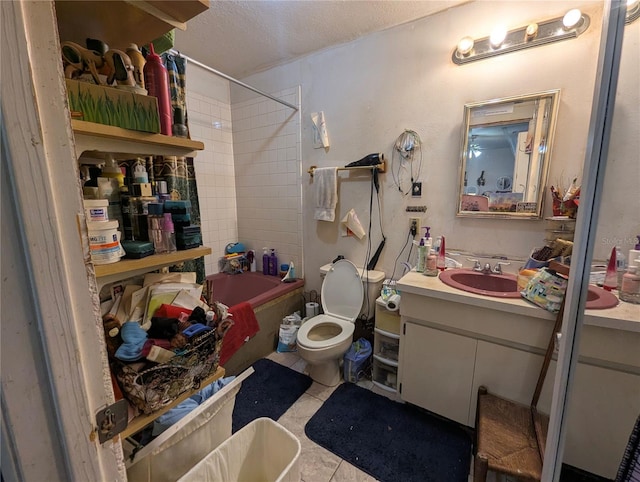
393 303
312 309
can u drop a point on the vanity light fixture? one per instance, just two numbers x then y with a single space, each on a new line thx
465 46
633 11
501 41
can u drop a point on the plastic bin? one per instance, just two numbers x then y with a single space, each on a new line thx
262 450
179 448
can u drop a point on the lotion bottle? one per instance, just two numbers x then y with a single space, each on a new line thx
422 257
265 261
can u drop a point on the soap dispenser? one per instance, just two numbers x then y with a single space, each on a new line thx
422 257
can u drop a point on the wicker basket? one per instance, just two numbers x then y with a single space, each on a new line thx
158 386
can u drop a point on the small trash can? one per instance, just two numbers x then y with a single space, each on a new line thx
262 450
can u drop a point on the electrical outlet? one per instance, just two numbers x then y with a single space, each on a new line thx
414 225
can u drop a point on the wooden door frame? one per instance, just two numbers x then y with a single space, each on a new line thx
44 180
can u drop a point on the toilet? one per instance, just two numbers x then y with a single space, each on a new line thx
325 338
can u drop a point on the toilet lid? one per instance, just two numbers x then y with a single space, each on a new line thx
342 291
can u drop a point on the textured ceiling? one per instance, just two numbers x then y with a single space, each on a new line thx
243 37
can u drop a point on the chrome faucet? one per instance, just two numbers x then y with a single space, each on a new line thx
497 269
486 269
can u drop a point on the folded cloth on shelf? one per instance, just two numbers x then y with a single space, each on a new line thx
325 180
245 325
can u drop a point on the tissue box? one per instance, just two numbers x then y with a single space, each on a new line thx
114 107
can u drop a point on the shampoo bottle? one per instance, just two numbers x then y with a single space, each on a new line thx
156 79
273 263
265 261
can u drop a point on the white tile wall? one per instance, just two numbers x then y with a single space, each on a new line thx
210 122
267 148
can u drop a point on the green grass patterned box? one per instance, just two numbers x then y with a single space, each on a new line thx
114 107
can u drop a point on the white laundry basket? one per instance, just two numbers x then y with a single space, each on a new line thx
188 441
262 451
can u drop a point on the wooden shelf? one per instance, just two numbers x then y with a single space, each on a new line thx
90 136
142 421
126 268
119 23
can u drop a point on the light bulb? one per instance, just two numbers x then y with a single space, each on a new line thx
531 31
465 46
497 36
571 18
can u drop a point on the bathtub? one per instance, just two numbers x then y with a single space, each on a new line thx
255 288
271 300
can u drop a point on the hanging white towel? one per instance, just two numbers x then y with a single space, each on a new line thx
325 180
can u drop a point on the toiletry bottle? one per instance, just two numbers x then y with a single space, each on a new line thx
441 262
292 271
155 219
265 261
273 263
432 265
611 277
156 80
621 265
422 257
179 127
630 289
634 253
428 242
168 233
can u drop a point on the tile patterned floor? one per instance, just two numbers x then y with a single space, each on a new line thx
316 463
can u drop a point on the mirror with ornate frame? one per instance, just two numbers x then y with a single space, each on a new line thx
506 148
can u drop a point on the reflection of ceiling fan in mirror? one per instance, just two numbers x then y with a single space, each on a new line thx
475 150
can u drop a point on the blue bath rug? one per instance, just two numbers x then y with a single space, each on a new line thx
268 392
389 440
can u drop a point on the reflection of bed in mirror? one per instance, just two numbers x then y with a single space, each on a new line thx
504 202
471 202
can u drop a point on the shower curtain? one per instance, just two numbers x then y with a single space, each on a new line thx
177 68
180 175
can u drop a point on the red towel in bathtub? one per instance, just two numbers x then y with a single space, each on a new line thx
245 325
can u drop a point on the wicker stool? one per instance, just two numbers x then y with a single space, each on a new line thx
510 436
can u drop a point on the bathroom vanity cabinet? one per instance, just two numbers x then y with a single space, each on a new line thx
452 342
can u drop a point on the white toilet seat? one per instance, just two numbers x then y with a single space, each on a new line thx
346 332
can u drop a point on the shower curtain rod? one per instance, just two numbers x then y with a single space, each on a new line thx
231 79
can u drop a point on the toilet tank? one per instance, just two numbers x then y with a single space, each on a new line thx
372 281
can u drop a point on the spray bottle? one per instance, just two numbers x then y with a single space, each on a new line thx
265 261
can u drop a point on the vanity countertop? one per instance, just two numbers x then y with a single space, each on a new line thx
625 316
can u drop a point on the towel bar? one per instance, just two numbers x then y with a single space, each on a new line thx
380 167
